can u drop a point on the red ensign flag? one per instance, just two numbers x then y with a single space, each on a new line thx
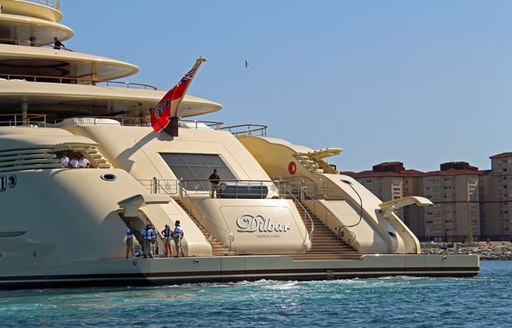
168 105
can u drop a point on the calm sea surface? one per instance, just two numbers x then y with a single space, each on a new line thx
482 301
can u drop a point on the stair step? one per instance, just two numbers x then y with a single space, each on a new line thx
325 244
217 248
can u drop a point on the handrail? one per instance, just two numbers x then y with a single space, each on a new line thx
333 218
211 124
156 186
200 185
250 129
75 80
50 3
231 237
302 187
296 201
23 119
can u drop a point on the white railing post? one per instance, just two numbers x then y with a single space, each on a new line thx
180 185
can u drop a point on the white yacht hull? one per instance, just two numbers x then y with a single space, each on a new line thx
139 271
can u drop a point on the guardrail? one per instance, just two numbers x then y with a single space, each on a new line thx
23 119
247 129
74 80
50 3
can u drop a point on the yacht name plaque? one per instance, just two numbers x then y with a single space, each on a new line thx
250 223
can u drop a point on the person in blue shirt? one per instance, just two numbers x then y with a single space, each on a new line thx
167 233
177 237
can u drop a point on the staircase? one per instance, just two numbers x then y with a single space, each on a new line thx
325 244
97 158
217 248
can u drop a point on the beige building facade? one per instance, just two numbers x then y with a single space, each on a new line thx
466 200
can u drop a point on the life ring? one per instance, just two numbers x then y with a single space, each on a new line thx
292 168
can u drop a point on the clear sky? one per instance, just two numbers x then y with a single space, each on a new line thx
422 82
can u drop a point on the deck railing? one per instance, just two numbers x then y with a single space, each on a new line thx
41 120
74 80
50 3
247 129
23 119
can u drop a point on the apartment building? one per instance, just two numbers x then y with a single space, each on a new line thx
390 180
496 199
454 190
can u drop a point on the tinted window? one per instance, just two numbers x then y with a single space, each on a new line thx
195 169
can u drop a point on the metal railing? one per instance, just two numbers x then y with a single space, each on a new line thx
247 129
75 80
193 207
308 216
172 188
211 124
50 3
256 189
330 220
23 119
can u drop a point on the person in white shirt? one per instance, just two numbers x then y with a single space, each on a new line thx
64 160
83 162
129 241
74 162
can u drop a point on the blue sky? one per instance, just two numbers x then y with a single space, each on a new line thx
422 82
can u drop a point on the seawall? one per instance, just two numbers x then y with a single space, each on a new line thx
486 250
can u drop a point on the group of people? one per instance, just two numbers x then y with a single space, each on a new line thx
149 244
77 161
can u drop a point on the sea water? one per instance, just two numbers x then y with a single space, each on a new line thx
481 301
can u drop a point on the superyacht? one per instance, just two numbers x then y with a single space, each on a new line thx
280 211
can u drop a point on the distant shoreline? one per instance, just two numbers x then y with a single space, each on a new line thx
487 251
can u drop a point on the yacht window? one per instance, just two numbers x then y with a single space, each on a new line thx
195 169
3 183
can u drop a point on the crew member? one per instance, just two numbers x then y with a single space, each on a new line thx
57 44
64 160
129 241
177 237
167 233
83 162
214 184
151 235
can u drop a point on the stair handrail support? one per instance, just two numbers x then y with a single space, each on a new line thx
193 206
296 201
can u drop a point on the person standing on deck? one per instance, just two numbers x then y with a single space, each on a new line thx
214 184
57 44
145 241
152 240
167 233
129 241
177 237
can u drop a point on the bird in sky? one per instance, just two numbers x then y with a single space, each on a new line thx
246 64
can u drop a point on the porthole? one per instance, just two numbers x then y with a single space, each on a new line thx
108 177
